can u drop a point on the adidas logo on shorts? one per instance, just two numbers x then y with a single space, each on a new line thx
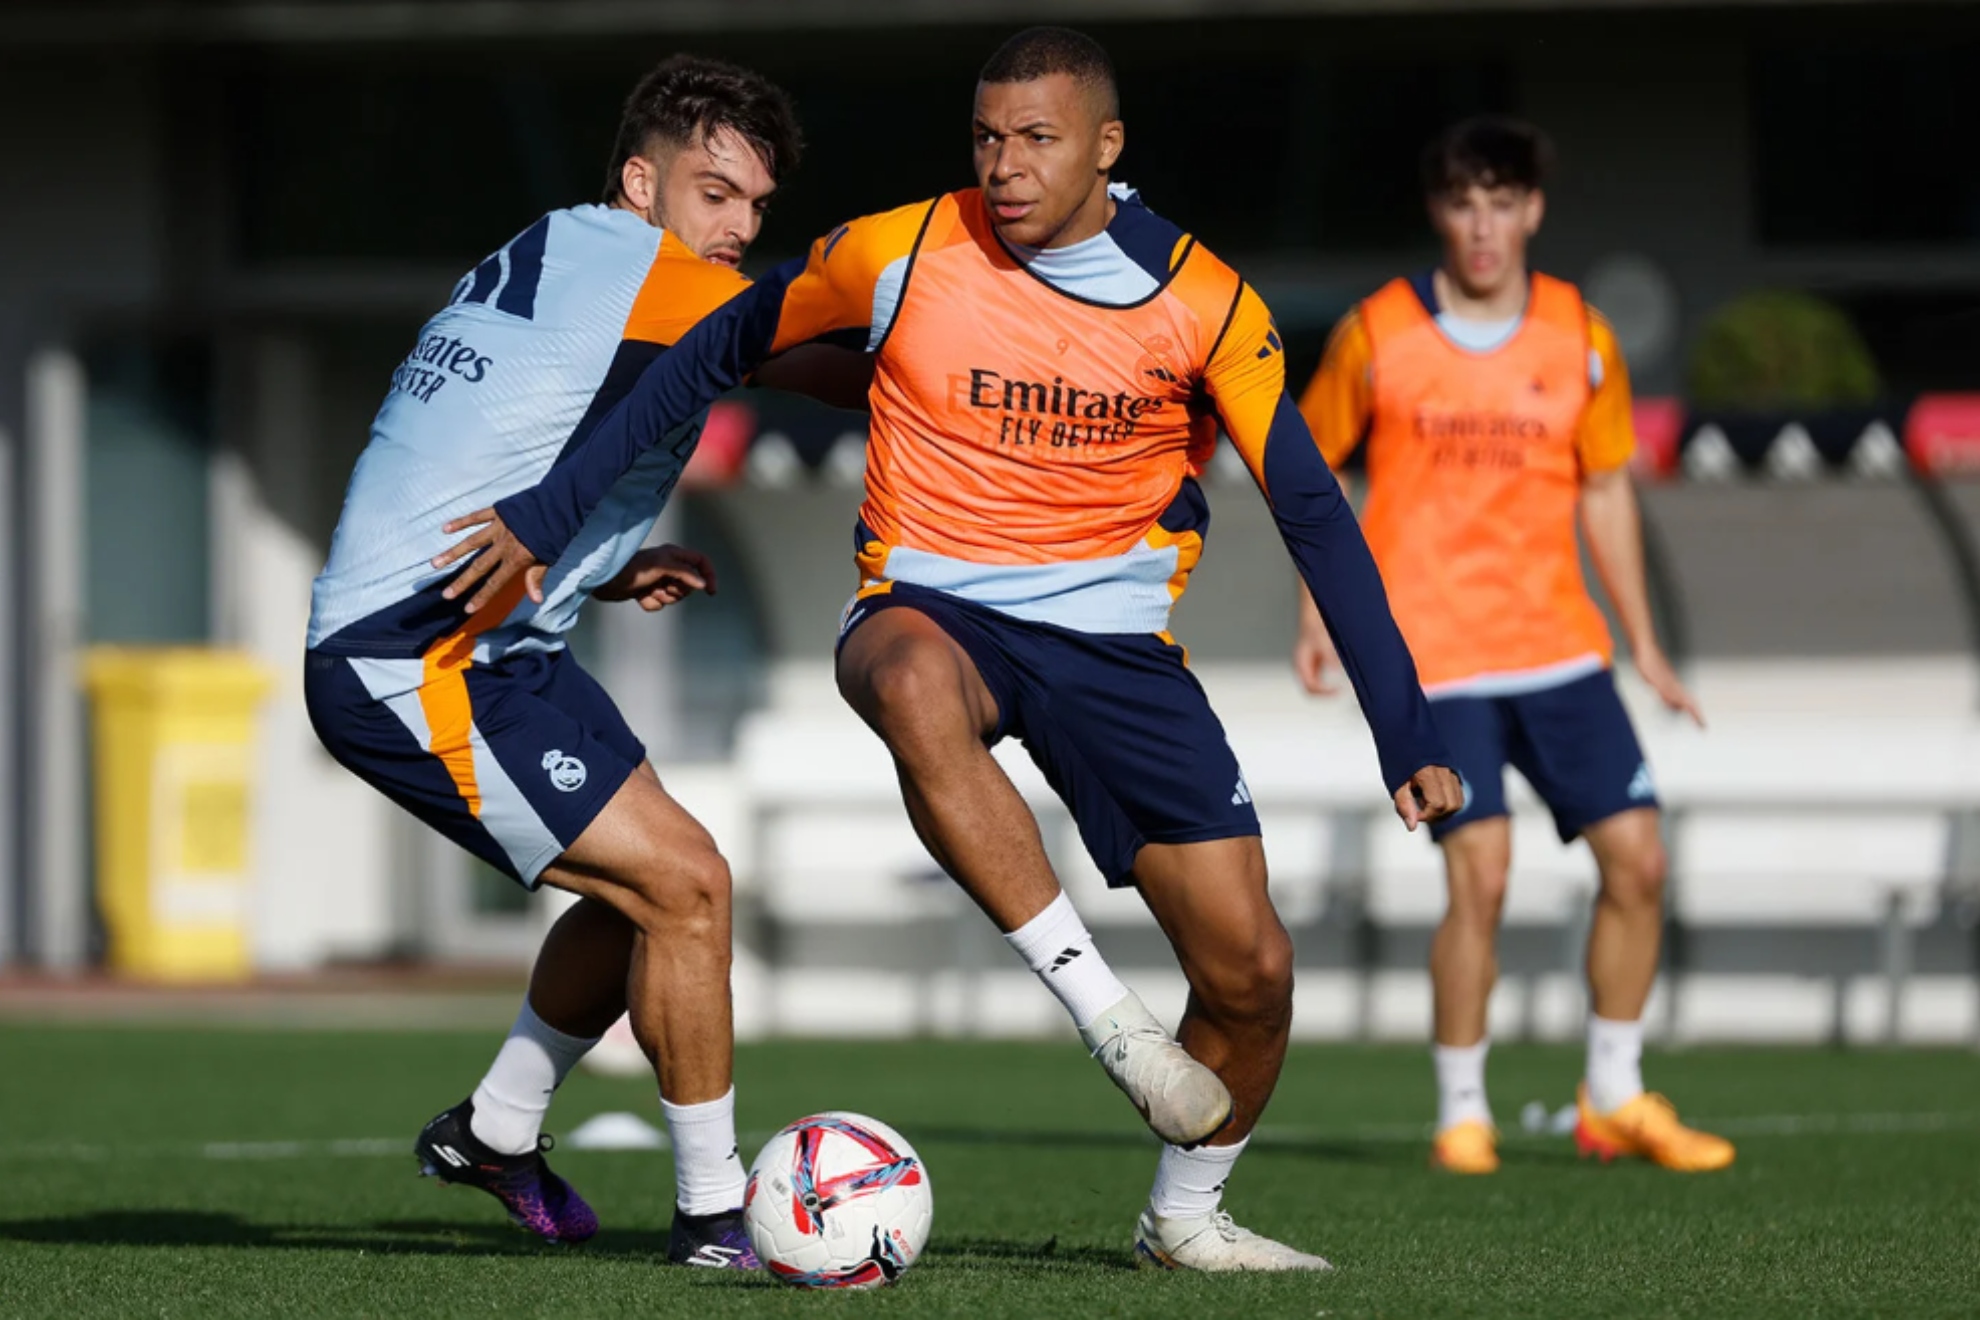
1642 788
1242 796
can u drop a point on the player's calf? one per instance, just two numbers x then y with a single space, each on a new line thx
658 868
1211 901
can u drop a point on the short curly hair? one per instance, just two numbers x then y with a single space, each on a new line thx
1487 151
690 98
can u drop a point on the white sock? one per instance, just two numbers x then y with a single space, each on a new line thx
1189 1184
510 1102
708 1169
1059 950
1461 1084
1615 1063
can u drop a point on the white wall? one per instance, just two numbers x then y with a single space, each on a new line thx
325 861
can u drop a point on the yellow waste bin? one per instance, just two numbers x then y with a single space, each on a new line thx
174 732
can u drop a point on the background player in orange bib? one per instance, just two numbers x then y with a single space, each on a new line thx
1495 405
1050 362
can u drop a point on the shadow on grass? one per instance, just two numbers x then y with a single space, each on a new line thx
182 1228
433 1237
978 1253
1344 1150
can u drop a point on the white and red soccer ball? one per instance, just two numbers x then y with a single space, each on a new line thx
838 1201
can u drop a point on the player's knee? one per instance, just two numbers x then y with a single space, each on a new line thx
1273 972
1257 987
1478 897
1636 880
907 695
686 894
705 887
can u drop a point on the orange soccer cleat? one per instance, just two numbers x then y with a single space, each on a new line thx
1469 1147
1648 1127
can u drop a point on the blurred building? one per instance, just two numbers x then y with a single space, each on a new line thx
224 223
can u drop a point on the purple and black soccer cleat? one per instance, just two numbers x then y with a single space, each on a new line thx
535 1198
717 1241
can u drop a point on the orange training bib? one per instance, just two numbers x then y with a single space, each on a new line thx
1015 424
1474 481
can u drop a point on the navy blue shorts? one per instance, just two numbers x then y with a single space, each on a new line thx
511 760
1121 729
1574 743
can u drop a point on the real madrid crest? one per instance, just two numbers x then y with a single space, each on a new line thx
566 772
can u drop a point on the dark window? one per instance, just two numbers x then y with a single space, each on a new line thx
409 161
1376 118
1922 339
149 437
439 155
1867 146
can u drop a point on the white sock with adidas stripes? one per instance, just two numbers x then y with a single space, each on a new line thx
1059 950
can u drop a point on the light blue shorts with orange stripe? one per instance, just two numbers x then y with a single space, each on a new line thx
512 760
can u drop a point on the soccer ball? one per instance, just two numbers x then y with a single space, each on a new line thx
838 1201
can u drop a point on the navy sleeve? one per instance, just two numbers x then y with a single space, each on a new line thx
1246 378
708 362
1320 530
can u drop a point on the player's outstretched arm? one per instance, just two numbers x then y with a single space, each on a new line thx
531 529
1614 529
709 361
1604 441
830 292
1336 407
1246 379
825 373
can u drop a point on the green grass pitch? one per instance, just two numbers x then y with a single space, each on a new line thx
191 1173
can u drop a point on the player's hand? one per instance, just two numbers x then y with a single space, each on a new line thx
660 576
1315 660
1661 675
1432 793
498 557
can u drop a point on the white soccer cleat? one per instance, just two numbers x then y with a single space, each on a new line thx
1214 1244
1183 1101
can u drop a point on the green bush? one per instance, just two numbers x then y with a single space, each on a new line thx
1781 349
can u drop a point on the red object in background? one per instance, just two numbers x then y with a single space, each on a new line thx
1659 431
724 447
1942 433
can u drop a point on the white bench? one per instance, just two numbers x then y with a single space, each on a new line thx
1776 819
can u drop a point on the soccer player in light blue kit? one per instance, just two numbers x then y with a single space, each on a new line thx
485 727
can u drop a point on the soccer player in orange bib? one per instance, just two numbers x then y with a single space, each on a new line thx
1051 360
1494 404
